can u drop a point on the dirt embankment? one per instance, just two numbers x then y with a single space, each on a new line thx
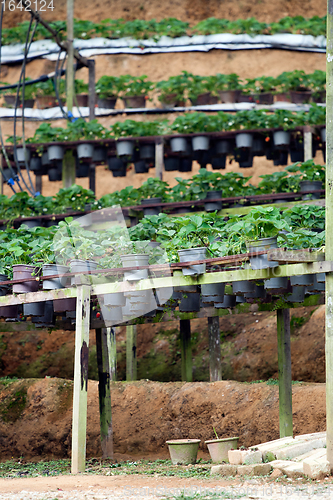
36 415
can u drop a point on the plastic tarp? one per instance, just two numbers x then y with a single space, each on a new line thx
225 41
55 113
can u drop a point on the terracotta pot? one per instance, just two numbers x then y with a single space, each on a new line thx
218 448
183 451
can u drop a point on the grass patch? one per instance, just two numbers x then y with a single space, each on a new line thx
13 405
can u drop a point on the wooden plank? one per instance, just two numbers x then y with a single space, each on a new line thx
295 256
186 350
131 359
284 364
215 371
79 425
104 391
159 159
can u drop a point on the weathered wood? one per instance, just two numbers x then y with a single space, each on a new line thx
79 425
329 233
159 159
112 350
284 364
92 94
245 210
215 369
39 184
68 169
104 391
92 178
131 360
70 56
295 256
307 143
185 349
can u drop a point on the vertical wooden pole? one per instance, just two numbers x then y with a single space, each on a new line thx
329 233
92 94
159 159
112 350
104 392
284 363
1 177
186 349
68 169
307 143
92 178
215 371
131 361
79 426
39 184
68 164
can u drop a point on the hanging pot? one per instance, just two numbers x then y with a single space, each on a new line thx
135 260
280 158
213 292
171 163
34 309
153 210
114 299
23 155
296 155
115 163
45 159
240 287
323 134
24 271
219 163
222 147
147 151
82 170
78 266
321 277
47 319
111 315
261 261
302 280
276 285
185 289
54 283
137 101
9 312
119 173
54 174
259 292
244 157
229 301
211 206
178 145
125 148
62 305
55 152
190 254
309 186
244 140
107 103
240 299
185 165
190 303
99 155
183 451
218 448
200 143
281 138
140 167
36 164
317 287
297 295
259 145
85 151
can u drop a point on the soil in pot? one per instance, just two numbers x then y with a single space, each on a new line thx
183 451
211 206
191 254
24 271
218 448
138 101
309 186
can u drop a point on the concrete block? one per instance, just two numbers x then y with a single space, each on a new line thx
254 470
316 468
293 450
224 470
279 464
293 470
273 444
311 436
276 473
311 454
246 457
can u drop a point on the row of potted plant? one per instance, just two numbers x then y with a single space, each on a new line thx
203 186
171 27
295 86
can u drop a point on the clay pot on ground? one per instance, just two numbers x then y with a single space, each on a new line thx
218 448
183 451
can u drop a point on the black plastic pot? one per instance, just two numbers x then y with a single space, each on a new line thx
185 165
244 157
212 206
107 103
153 210
212 293
277 285
62 305
119 173
229 301
82 170
190 302
302 280
147 151
47 319
308 186
141 167
219 162
280 158
54 174
259 145
171 163
297 295
115 163
240 287
34 309
99 156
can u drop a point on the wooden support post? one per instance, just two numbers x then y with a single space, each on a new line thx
104 391
186 349
68 169
329 234
215 371
307 143
284 363
159 160
79 426
92 178
70 56
131 361
92 95
112 349
39 184
1 176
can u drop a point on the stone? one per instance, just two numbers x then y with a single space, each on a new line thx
294 450
293 470
276 473
246 457
254 470
224 470
316 467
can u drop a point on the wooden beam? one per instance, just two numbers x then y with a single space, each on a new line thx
295 256
131 359
186 349
284 364
79 425
104 391
215 370
159 159
307 143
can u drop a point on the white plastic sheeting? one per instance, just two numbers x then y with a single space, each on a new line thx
224 41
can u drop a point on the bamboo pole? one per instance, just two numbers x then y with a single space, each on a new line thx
215 372
79 425
329 234
284 363
104 391
131 360
186 349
